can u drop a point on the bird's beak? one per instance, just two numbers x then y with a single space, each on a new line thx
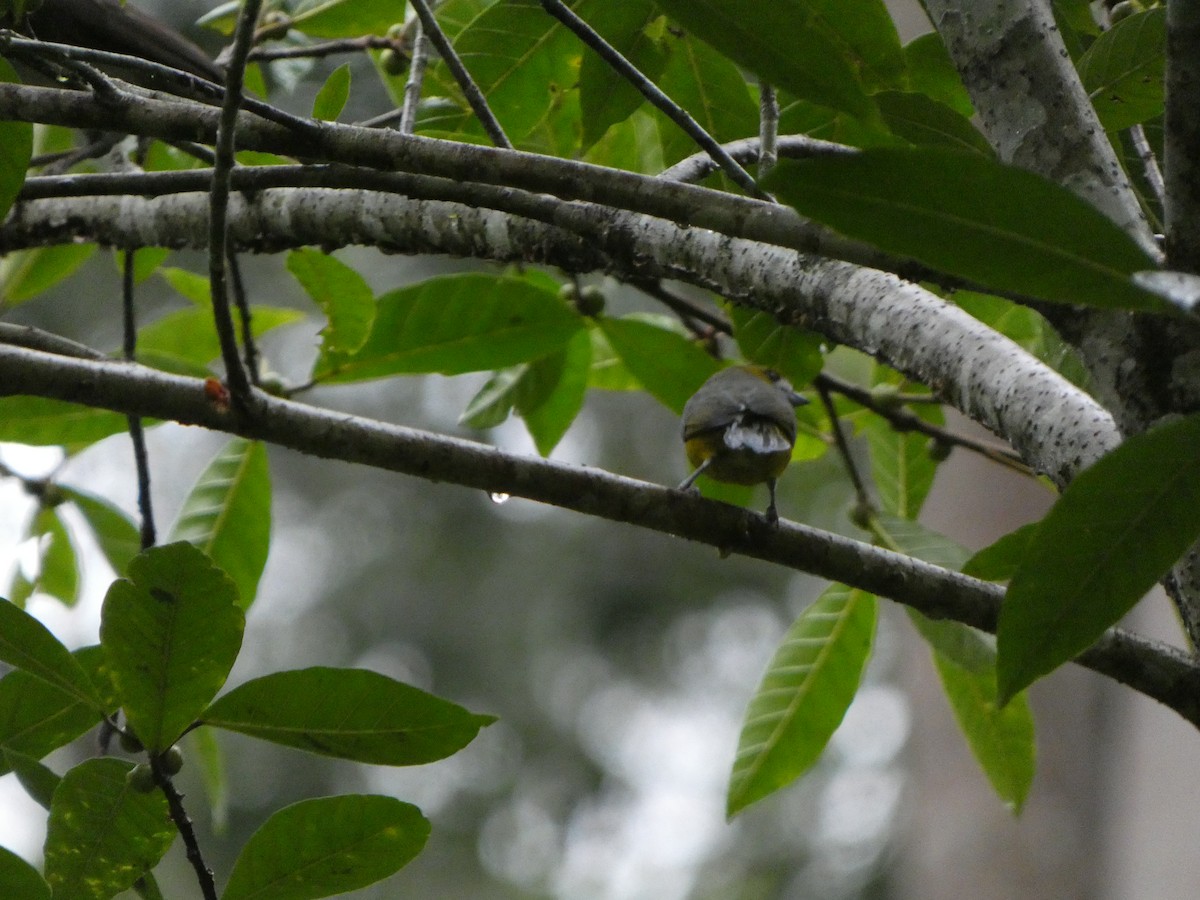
797 399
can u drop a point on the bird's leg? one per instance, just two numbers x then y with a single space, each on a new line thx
772 512
686 484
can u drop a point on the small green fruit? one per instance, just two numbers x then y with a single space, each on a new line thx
392 62
171 760
861 514
130 743
141 778
591 301
886 397
1124 10
939 451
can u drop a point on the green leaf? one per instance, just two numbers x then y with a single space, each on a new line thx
1001 738
901 467
117 536
19 879
36 717
343 295
103 835
331 98
494 401
16 149
922 120
330 845
58 566
1115 531
346 18
192 285
347 713
1028 329
39 781
969 216
456 324
29 273
634 28
932 72
609 372
712 90
668 365
999 561
27 644
804 694
41 422
792 352
1123 70
171 633
185 341
204 752
524 61
800 46
551 390
227 514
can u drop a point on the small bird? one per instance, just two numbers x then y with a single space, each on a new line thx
740 427
120 28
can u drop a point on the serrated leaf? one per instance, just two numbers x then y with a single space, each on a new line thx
185 342
670 367
456 324
19 879
227 514
1112 535
28 645
171 632
347 713
331 98
804 694
1123 70
117 536
102 834
975 218
330 845
343 295
790 44
551 391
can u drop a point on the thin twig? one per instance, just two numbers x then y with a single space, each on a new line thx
862 498
137 434
685 308
1154 175
179 816
235 374
904 420
479 105
768 129
654 94
250 348
415 83
327 48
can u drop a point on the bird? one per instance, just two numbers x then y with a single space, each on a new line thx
740 427
120 28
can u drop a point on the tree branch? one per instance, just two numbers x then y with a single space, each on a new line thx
1153 669
1181 138
1055 426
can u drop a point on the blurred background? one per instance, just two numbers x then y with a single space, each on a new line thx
619 664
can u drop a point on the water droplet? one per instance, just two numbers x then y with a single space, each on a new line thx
498 497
